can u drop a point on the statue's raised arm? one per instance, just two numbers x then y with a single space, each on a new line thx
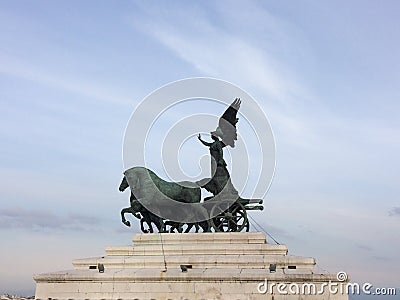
204 142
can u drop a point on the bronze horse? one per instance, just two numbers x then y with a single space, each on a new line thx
147 187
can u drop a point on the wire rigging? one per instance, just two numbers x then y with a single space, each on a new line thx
265 231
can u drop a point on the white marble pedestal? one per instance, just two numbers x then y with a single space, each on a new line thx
223 266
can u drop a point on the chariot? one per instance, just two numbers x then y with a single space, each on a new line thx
222 213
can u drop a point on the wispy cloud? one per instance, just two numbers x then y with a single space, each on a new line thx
219 51
364 247
273 232
380 258
225 49
224 46
395 211
18 68
39 220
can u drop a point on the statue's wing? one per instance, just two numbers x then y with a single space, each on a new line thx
227 124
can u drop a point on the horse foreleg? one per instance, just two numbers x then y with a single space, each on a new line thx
123 212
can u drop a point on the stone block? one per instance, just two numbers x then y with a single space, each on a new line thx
207 288
232 288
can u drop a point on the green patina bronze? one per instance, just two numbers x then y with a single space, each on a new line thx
156 201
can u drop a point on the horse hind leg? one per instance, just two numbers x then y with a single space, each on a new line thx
189 227
142 226
153 219
205 225
151 230
160 225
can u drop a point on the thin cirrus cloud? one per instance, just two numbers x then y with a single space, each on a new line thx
364 247
395 211
39 220
15 67
211 49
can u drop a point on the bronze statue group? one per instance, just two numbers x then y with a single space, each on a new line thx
147 188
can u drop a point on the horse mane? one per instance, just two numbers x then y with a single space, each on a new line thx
144 175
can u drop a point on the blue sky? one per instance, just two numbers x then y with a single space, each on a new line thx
326 74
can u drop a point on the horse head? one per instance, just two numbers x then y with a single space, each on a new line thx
132 177
124 184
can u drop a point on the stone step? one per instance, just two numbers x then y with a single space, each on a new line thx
200 261
112 276
197 249
203 238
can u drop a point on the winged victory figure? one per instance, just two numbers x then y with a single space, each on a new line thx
224 135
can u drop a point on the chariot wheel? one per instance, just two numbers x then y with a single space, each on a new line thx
232 219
